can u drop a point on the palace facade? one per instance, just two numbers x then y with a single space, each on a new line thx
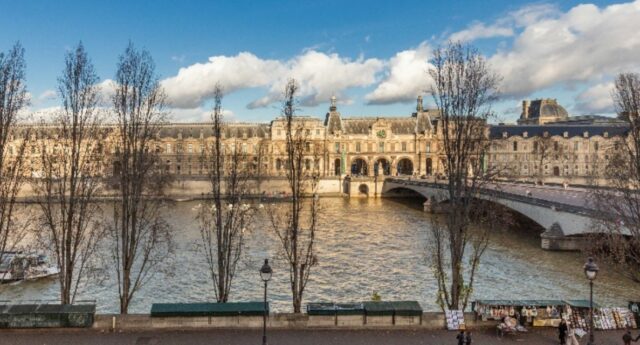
545 145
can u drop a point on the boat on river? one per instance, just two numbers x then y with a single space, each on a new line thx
18 266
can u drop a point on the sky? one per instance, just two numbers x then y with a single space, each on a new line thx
372 55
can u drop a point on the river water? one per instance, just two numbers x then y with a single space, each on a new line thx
363 245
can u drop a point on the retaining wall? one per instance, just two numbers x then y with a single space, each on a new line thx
430 320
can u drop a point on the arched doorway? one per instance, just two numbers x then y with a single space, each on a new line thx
405 167
382 167
429 166
359 167
336 168
556 171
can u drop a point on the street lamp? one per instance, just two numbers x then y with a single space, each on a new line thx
265 275
591 271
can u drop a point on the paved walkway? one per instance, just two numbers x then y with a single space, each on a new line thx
285 337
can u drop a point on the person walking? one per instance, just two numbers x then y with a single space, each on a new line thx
571 336
562 332
467 339
627 338
461 338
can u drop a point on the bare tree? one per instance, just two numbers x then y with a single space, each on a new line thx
296 225
463 91
142 238
224 220
13 97
619 226
68 187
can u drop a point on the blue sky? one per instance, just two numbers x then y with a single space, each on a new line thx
364 52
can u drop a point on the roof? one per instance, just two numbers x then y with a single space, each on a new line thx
497 131
545 108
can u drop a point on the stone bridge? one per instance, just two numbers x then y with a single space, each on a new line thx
565 213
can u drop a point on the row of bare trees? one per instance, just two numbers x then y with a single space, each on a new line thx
140 238
226 217
69 158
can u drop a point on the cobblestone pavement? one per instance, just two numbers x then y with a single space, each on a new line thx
284 337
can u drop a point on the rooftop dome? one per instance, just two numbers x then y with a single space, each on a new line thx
542 110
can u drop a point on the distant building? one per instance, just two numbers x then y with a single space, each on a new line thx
548 145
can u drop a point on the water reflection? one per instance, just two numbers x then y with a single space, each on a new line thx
364 245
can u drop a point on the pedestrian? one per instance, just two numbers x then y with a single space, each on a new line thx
571 336
467 339
627 338
460 338
562 332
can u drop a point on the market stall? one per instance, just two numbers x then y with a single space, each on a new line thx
525 312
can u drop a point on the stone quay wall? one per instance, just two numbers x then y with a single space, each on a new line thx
429 320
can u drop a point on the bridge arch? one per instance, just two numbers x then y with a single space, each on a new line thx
571 221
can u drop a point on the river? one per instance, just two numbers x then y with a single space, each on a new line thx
363 245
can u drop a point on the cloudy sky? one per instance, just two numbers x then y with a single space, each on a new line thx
372 55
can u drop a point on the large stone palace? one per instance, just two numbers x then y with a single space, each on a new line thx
545 145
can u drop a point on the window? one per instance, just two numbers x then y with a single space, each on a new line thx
279 132
317 132
595 146
381 146
168 148
428 148
190 148
556 147
244 147
307 146
337 147
404 147
307 132
576 146
515 146
358 147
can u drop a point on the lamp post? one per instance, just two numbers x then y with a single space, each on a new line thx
591 271
265 275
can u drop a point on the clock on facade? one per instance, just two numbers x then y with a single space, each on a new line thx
381 134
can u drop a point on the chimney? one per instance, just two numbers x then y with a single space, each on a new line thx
525 110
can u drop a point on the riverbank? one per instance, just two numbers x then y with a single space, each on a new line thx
284 337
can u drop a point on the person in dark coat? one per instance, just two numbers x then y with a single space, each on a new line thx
562 332
467 339
627 338
460 338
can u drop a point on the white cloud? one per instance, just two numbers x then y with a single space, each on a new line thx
198 114
479 30
584 44
407 77
505 26
320 75
596 99
47 95
196 83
